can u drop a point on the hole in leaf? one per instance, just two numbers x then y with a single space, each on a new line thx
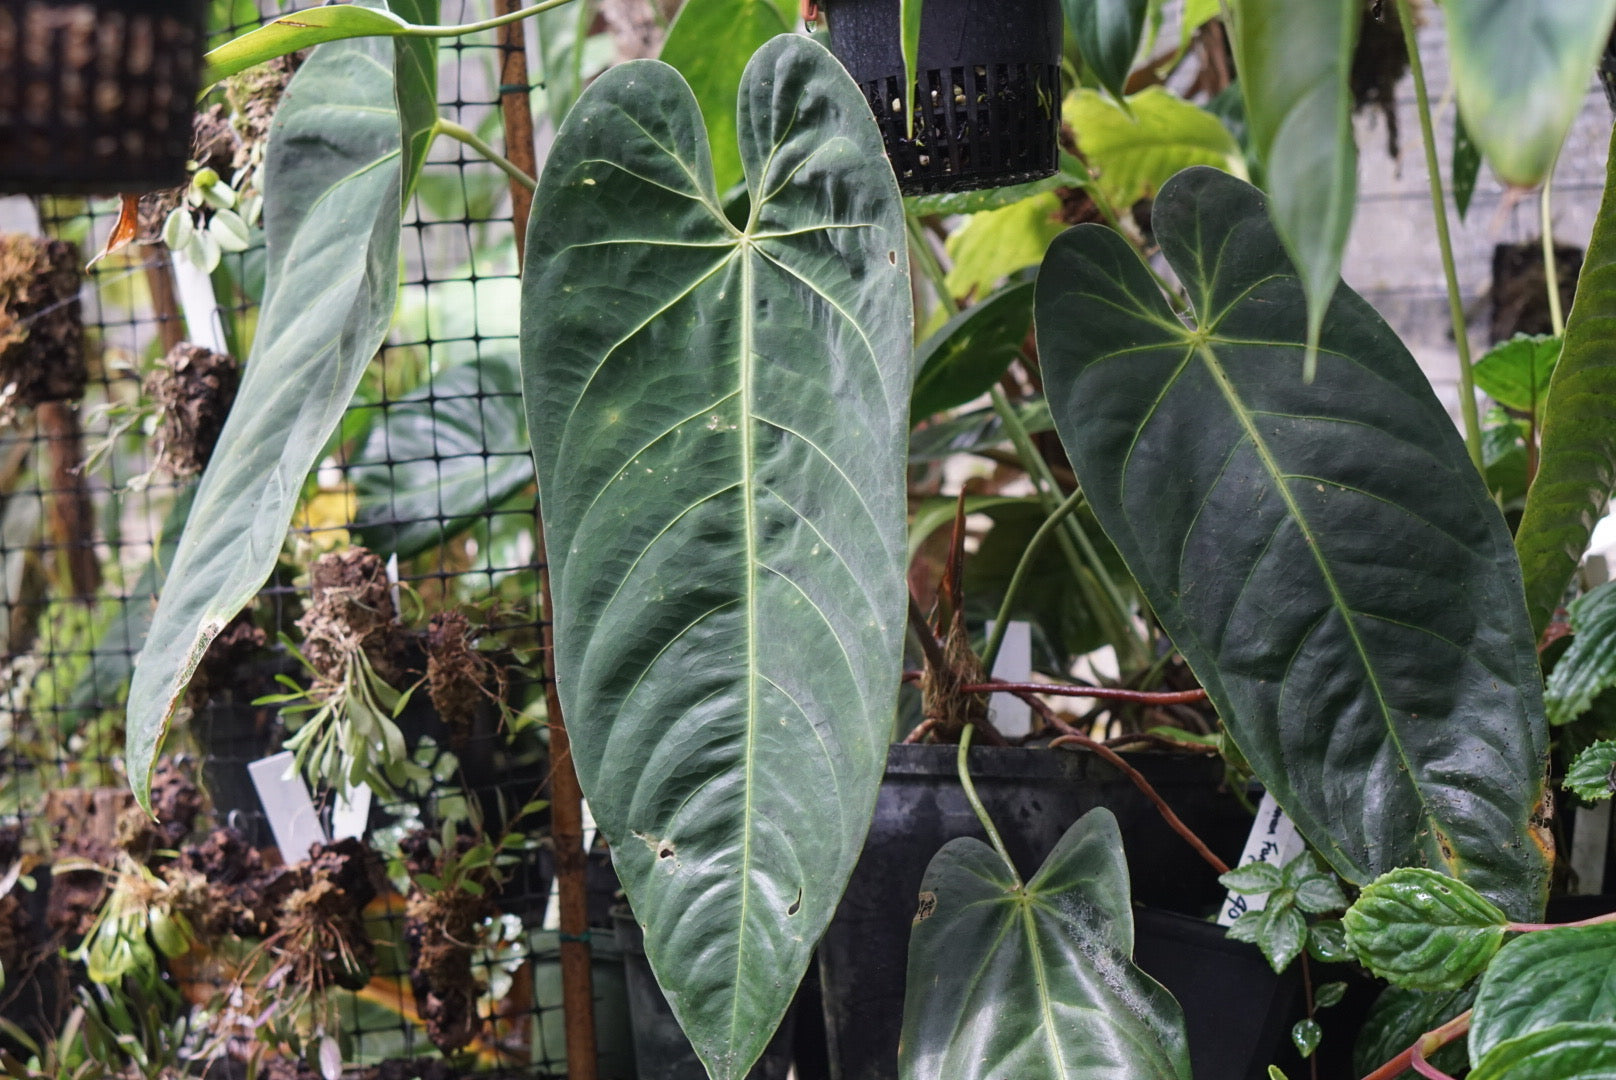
796 905
665 851
892 257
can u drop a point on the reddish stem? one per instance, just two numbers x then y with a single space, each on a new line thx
1528 927
1427 1044
1108 693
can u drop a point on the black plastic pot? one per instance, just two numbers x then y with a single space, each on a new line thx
661 1051
1033 796
987 97
97 96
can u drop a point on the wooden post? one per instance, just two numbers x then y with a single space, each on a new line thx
566 799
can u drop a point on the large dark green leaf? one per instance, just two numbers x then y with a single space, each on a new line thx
1400 1016
331 216
718 414
1035 981
1521 69
1588 668
1324 555
1577 466
1561 1052
1108 34
441 457
1295 66
1545 978
964 358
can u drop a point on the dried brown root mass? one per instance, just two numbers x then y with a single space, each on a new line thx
41 324
351 608
193 389
460 680
315 912
1378 65
441 930
176 801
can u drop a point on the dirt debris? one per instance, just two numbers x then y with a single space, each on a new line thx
41 323
193 389
460 680
351 608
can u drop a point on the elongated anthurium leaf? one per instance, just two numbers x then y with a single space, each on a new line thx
415 86
1423 930
1546 978
1577 466
909 25
966 356
1035 981
331 218
1588 668
1324 555
1466 168
1592 776
718 414
710 43
1108 34
441 457
296 31
1295 66
1563 1052
1521 70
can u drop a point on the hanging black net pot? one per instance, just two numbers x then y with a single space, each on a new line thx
987 97
97 96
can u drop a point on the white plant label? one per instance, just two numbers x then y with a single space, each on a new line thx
1011 715
1273 840
291 813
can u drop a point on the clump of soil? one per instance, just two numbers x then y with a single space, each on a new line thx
460 679
351 608
441 930
193 389
227 658
41 325
254 95
1521 290
1378 65
317 911
176 800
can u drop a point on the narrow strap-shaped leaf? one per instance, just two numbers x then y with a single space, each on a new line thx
331 219
415 82
909 12
1323 554
1108 34
1577 467
718 413
1035 982
1545 978
1295 65
1521 70
295 31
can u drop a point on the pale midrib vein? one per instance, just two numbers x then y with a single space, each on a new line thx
1041 976
1343 609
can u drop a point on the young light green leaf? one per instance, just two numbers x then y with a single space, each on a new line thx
1034 982
1108 34
1329 994
949 203
1318 894
1420 929
332 229
710 43
229 231
1295 66
1305 1036
1545 978
1516 373
178 229
1577 466
1521 70
996 243
719 412
1134 151
1588 668
966 356
1562 1052
1242 500
296 31
1592 776
1253 878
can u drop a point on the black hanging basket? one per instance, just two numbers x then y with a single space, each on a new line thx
97 96
987 97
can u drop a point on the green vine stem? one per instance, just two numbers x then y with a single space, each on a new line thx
465 135
1018 578
487 24
976 803
1439 206
1551 268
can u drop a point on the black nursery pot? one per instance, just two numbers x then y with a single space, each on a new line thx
97 96
987 97
1033 796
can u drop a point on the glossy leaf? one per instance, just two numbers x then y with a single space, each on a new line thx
719 414
966 356
1034 982
1135 151
1399 1016
1588 668
1305 1036
1592 776
415 86
1253 878
710 43
1561 1052
1324 556
1295 66
1521 70
1423 930
1108 34
1545 978
1577 464
1516 373
440 457
331 218
296 31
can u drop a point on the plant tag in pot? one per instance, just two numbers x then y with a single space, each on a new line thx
291 813
1011 715
1273 840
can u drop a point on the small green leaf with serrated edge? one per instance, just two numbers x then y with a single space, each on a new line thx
1253 878
1329 994
1305 1036
1561 1052
1284 931
1546 978
1592 775
1420 929
1588 668
1319 893
1516 373
1248 927
1327 942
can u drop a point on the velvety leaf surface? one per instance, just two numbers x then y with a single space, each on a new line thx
1035 982
441 456
1423 930
1295 62
1545 978
1592 776
1562 1052
966 356
1588 667
718 415
1135 152
1521 70
1324 555
331 218
1399 1016
1577 466
1108 34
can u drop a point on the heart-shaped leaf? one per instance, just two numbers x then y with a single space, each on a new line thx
1546 978
1423 930
1561 1052
331 218
1324 555
718 413
1035 981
